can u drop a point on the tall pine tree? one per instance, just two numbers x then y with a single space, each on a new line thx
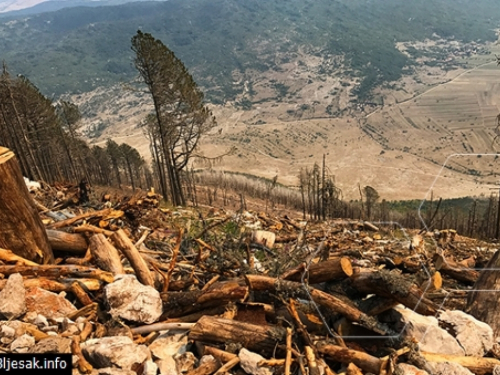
181 117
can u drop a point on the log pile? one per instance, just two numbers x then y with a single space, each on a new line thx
204 291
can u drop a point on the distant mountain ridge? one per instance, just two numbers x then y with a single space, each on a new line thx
13 8
226 44
13 5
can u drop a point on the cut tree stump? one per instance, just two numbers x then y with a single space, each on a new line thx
22 230
484 301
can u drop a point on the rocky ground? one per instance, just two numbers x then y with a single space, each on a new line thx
139 288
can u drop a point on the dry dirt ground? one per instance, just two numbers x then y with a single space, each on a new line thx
398 148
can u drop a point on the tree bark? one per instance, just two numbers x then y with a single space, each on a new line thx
333 304
69 242
139 265
253 337
484 302
394 286
332 269
176 304
375 305
364 361
22 230
455 270
105 254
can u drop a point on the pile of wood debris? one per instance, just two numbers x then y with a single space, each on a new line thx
140 289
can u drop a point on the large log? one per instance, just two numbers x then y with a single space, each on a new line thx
257 338
176 304
332 269
69 242
482 302
137 262
395 286
105 254
22 230
455 270
333 304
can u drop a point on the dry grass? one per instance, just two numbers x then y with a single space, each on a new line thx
398 150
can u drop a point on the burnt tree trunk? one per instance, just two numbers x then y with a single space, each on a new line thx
22 230
484 302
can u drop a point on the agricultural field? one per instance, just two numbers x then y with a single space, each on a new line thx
456 117
398 147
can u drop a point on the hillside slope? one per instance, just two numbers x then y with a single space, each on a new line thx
280 138
228 42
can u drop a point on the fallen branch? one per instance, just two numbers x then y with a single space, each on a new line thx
332 269
144 330
171 267
177 304
86 215
344 355
139 265
334 304
57 272
394 286
455 270
478 365
9 256
254 337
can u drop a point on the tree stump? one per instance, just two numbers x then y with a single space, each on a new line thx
22 231
484 301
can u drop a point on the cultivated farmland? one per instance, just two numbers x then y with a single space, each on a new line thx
458 117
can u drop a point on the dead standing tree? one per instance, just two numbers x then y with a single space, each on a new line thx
320 197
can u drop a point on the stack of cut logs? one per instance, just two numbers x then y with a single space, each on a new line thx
132 288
